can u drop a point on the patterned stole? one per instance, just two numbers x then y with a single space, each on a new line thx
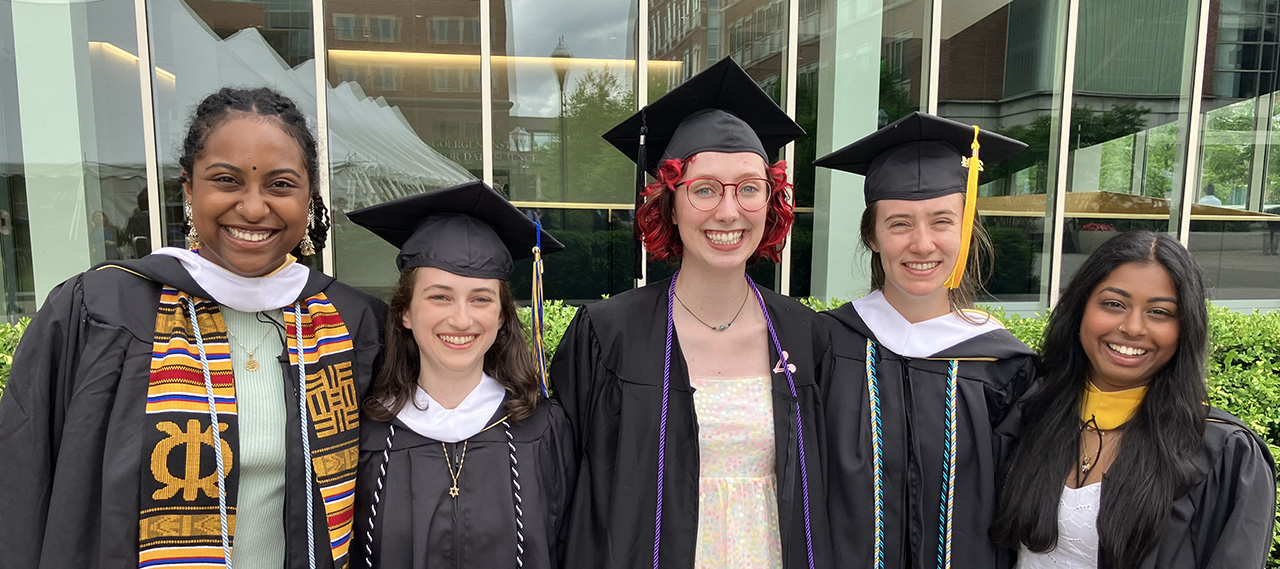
179 520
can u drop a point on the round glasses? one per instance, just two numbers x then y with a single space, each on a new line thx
705 193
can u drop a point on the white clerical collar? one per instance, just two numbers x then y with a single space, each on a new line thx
922 339
430 419
246 294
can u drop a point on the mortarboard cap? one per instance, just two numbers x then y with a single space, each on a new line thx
721 109
468 230
918 157
921 157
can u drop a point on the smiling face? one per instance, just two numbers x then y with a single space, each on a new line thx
918 242
726 236
454 321
249 193
1130 326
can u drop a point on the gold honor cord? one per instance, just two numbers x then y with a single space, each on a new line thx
970 211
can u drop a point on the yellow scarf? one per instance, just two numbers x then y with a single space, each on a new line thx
1110 409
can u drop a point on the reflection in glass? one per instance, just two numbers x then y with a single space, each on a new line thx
15 231
71 152
596 259
997 71
1125 170
563 74
1237 201
404 104
883 45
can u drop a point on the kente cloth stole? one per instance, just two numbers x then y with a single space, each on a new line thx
179 522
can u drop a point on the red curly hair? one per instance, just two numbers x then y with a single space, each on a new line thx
655 217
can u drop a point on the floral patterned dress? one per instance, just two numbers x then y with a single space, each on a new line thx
738 485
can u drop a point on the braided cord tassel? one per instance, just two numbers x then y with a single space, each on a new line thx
786 368
877 452
662 426
947 505
537 316
515 494
306 435
377 495
217 437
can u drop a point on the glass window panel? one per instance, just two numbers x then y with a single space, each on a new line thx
1237 206
563 74
406 123
72 164
860 66
1124 170
596 260
998 63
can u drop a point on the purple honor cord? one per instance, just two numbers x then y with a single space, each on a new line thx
662 426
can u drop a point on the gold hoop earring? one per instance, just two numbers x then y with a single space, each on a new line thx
307 247
193 238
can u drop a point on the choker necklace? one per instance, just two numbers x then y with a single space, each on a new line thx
1110 409
251 364
454 474
720 328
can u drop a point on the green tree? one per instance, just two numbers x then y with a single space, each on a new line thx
597 172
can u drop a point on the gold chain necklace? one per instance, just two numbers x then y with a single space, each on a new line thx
251 364
462 457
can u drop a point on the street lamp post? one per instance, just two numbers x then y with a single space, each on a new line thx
560 63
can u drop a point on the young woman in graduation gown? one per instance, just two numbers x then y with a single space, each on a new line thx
694 399
107 427
1121 461
920 382
463 463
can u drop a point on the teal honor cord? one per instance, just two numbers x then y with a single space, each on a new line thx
946 506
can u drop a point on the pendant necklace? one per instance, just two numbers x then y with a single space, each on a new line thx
722 327
454 474
1089 461
251 364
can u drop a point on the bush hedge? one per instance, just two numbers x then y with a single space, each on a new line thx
1243 369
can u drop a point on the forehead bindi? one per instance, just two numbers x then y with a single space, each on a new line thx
255 140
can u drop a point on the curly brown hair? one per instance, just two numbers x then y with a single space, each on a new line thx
507 360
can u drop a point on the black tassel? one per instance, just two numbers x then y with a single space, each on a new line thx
637 258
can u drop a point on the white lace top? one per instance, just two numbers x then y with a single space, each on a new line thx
1077 533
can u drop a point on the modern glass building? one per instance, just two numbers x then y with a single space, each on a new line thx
1157 114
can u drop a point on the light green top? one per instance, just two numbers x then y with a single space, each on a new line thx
260 409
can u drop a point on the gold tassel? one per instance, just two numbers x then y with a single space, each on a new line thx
970 211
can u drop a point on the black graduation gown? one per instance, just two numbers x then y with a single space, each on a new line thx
995 369
419 526
607 373
73 416
1226 520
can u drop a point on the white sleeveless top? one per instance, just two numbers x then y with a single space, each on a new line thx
1077 533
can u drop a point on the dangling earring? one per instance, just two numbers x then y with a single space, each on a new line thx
193 238
307 247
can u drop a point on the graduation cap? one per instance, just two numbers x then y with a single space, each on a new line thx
921 157
467 230
720 109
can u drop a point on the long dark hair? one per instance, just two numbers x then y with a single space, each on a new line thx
507 360
223 105
980 254
1155 460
